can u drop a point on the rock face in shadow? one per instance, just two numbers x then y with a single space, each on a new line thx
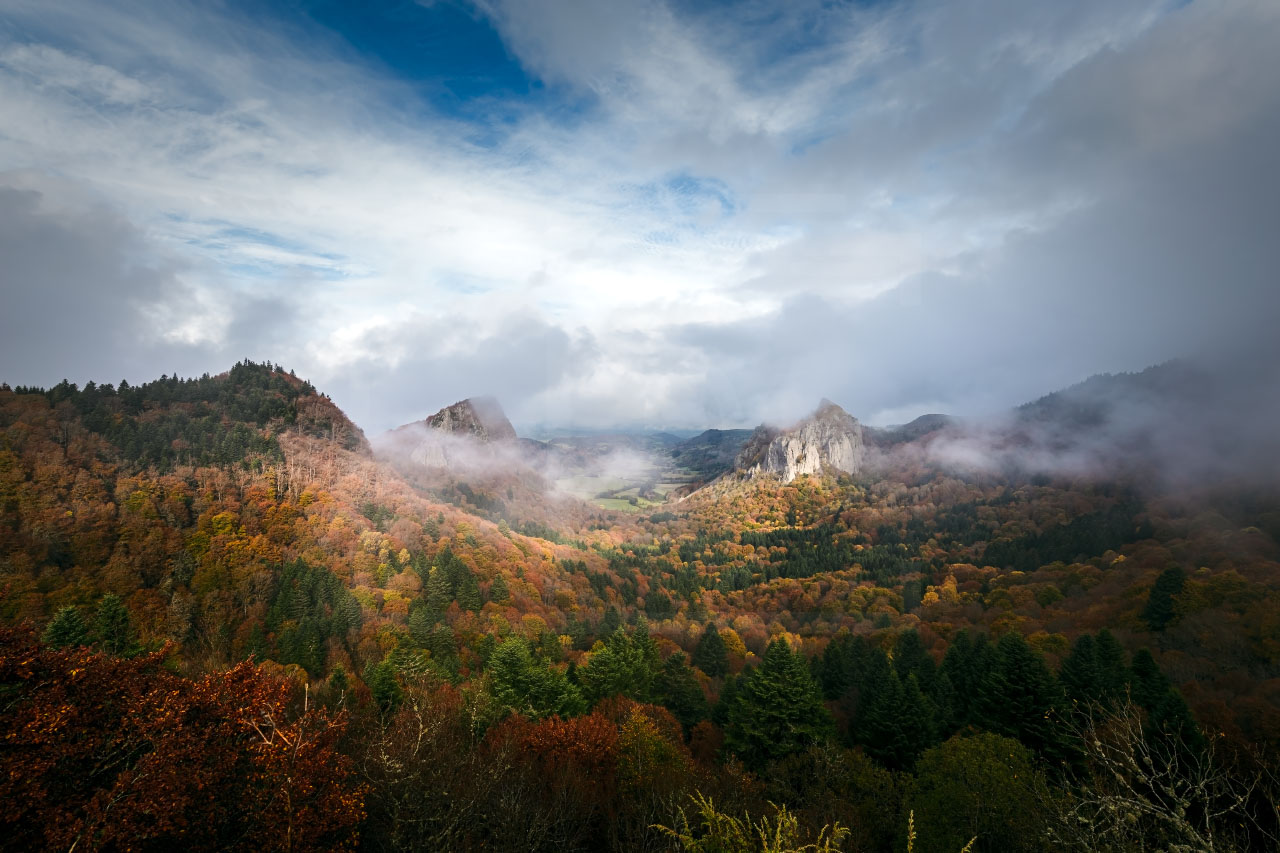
470 433
829 440
480 418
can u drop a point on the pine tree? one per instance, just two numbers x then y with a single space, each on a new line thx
894 721
620 666
67 628
612 621
1022 699
498 592
911 658
577 631
677 689
1168 717
846 662
711 655
112 627
968 666
468 591
1159 610
438 592
444 648
339 684
777 710
549 647
647 647
383 684
944 705
728 698
1113 670
421 620
525 685
917 722
1079 675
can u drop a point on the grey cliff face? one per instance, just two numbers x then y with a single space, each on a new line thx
828 440
480 418
456 436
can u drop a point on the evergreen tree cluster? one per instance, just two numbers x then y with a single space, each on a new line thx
212 420
899 703
309 607
111 629
1081 538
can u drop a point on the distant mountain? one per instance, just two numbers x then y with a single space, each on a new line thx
902 433
456 437
829 440
479 417
1179 424
711 453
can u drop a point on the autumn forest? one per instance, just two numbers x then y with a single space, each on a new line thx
227 623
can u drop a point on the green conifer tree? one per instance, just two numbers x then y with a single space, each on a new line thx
968 666
711 655
1079 675
1113 668
1022 699
66 629
525 685
439 593
727 698
677 689
498 591
338 683
421 620
1169 719
112 627
381 680
621 666
777 710
612 621
894 721
468 591
911 658
1159 610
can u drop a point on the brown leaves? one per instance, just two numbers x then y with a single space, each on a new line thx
101 752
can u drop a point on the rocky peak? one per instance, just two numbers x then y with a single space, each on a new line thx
481 418
470 433
828 440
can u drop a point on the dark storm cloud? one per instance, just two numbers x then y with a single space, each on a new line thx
915 206
1165 157
88 296
76 285
1168 268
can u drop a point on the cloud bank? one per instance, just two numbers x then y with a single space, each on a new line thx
687 217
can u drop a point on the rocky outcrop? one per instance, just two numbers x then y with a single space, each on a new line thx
828 441
480 418
462 436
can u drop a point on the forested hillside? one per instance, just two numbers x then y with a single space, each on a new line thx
219 571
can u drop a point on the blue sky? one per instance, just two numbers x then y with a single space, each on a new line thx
645 213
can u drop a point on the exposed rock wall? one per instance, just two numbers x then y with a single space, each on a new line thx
829 440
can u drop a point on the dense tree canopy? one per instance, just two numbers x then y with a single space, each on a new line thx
571 675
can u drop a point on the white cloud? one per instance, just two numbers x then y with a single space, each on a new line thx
753 177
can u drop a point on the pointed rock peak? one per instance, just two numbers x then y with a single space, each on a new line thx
827 409
479 417
828 440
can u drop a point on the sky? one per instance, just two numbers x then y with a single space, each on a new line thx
639 214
